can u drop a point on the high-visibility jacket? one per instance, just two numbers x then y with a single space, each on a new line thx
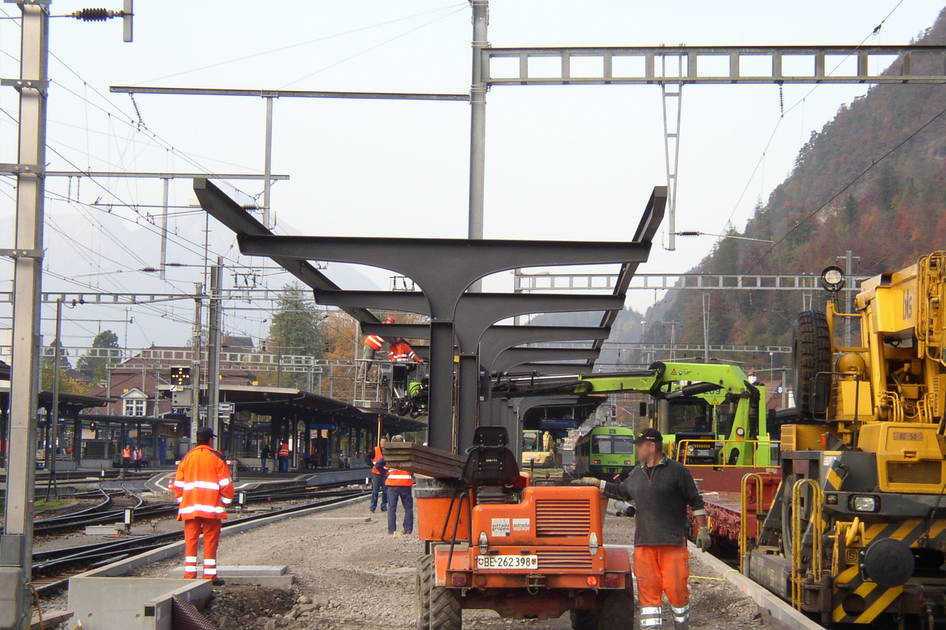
202 484
126 453
378 456
398 477
375 342
402 351
136 454
283 450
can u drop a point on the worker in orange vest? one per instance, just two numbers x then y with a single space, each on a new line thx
282 455
401 351
378 473
126 456
203 489
374 343
399 485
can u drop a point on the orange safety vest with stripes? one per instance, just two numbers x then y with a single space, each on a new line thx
398 477
375 342
378 456
402 351
283 450
126 453
202 485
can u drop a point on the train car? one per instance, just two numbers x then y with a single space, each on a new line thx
605 453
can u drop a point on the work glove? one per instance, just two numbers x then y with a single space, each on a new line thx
587 481
703 539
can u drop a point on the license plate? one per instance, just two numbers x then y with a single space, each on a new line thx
507 562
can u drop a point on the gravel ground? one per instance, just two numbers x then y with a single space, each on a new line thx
351 576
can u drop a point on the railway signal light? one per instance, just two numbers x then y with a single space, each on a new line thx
180 375
832 279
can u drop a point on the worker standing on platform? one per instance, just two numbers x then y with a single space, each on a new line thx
401 352
283 456
203 489
400 486
136 456
126 456
378 474
264 456
661 489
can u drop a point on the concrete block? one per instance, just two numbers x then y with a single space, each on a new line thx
130 603
234 570
101 530
51 619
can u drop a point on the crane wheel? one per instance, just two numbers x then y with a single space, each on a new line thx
446 611
811 354
422 584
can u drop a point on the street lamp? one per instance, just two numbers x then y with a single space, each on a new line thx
732 236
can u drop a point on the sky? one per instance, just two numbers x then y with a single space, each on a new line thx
563 163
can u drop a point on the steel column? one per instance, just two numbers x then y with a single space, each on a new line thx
478 119
268 163
213 348
16 543
440 377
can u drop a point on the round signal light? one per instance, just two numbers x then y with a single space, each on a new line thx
592 581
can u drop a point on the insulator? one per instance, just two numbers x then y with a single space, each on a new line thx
92 15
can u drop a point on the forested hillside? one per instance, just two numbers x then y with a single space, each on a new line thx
892 214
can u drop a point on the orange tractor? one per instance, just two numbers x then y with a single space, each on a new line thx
495 541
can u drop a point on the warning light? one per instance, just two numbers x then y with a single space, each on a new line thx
180 375
592 580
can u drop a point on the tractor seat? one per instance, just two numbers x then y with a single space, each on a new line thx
489 461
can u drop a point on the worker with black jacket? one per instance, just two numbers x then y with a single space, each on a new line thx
661 489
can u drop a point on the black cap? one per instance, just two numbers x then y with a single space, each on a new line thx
205 433
649 434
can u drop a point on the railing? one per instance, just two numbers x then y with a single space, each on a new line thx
685 449
744 512
799 524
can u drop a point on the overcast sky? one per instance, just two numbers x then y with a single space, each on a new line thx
562 162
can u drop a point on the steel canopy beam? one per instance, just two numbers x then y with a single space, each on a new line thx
517 356
402 301
221 207
554 369
499 338
409 331
460 262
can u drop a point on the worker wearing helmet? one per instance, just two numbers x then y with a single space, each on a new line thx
662 489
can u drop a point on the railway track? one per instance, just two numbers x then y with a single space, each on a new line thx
53 568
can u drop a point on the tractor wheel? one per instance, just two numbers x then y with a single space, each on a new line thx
584 619
811 354
446 610
422 584
616 611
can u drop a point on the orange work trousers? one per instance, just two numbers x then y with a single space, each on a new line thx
662 569
193 527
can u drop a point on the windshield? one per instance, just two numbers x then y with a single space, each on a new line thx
530 441
603 445
623 445
691 415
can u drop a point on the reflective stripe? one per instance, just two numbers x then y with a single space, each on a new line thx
682 619
699 512
399 476
214 509
651 622
209 571
179 484
179 499
682 610
650 610
190 559
190 485
210 562
225 500
224 482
